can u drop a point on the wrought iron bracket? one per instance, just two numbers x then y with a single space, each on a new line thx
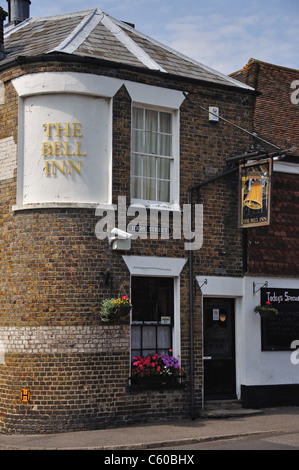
203 283
255 284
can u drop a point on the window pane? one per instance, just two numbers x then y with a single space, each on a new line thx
137 144
148 352
149 167
137 165
136 337
165 145
149 189
149 337
138 118
152 298
163 191
164 338
151 120
151 143
163 165
136 188
165 123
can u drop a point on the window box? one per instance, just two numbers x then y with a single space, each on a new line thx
137 384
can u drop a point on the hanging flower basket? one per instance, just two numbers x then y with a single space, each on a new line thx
266 311
115 310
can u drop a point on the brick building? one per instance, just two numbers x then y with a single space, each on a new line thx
103 127
272 251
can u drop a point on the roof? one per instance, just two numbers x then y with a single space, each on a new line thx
276 109
253 61
95 34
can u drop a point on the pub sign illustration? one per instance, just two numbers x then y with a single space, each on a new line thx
255 194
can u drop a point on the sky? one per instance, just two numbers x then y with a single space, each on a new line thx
222 34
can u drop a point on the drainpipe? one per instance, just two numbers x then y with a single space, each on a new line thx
192 390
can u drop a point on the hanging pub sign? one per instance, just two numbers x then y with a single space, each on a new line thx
255 193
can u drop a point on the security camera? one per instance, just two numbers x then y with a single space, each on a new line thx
120 234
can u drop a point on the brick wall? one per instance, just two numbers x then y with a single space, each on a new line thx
53 270
274 250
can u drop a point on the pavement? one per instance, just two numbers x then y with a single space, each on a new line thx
214 425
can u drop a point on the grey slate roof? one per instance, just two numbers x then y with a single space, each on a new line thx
95 34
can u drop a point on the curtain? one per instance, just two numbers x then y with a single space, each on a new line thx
151 143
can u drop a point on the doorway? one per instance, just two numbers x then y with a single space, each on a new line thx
219 349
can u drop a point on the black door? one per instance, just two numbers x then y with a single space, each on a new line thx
219 349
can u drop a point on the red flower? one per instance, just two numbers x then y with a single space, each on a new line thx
268 303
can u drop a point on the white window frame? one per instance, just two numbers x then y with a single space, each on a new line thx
174 158
167 100
162 267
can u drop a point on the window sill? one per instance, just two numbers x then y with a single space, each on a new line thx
152 205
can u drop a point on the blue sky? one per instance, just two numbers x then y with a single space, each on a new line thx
223 34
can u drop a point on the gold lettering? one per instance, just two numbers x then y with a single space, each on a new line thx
55 164
77 168
65 129
47 149
66 149
77 129
79 150
47 169
62 147
48 127
57 148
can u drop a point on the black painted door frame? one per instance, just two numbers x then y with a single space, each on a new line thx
219 348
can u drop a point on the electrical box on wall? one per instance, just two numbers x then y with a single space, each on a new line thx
213 113
122 245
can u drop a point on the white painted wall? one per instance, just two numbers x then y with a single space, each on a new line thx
89 180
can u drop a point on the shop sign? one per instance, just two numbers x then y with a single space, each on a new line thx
279 333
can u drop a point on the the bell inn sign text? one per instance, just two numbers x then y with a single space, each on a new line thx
63 144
